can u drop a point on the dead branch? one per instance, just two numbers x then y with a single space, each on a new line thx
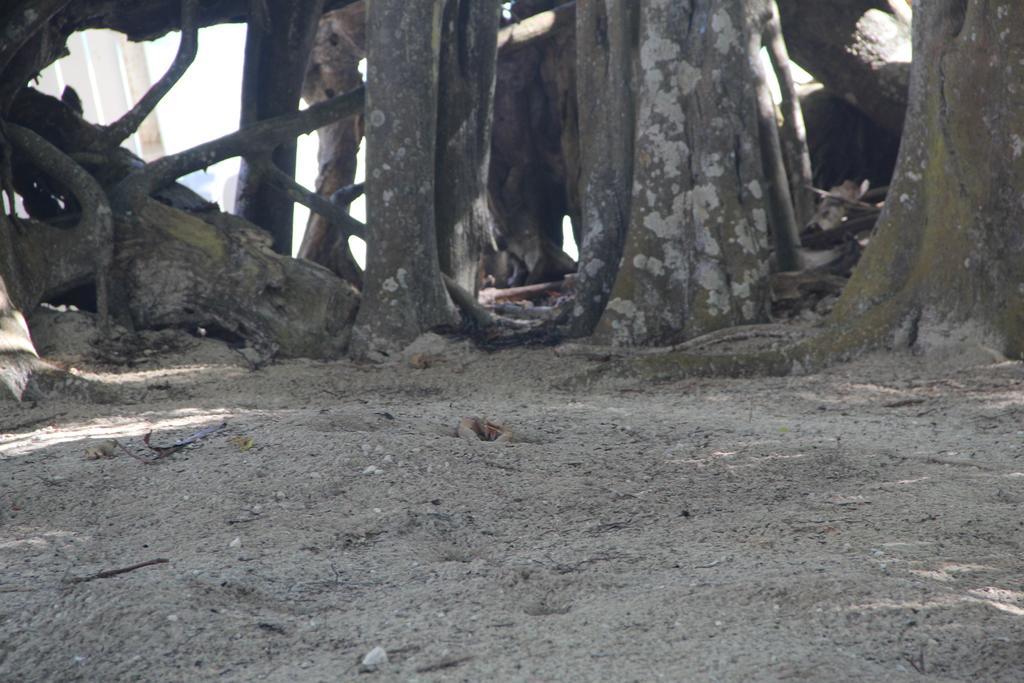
115 572
311 200
262 136
794 133
468 303
166 451
97 220
114 134
536 28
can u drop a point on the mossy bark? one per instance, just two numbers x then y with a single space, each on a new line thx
946 264
949 244
696 255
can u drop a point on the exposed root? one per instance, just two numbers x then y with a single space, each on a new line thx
838 342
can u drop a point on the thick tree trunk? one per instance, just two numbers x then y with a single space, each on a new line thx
276 53
947 260
696 254
534 158
856 51
334 68
465 227
403 293
605 73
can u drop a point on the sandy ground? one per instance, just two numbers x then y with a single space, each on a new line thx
863 524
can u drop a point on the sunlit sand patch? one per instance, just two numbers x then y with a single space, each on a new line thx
949 571
38 541
107 428
145 376
939 602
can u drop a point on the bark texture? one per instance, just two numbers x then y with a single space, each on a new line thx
465 226
18 358
277 48
403 293
534 158
218 271
606 33
696 254
947 259
856 50
334 68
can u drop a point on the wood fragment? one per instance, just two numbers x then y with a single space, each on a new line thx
106 574
538 27
491 295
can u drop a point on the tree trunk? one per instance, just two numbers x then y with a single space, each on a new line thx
465 227
334 68
403 294
947 259
534 158
860 53
606 62
18 358
277 49
696 254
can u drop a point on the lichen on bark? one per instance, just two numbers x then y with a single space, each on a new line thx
696 254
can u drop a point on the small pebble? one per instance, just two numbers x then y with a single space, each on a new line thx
374 659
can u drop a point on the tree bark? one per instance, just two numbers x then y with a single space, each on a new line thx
18 357
469 46
855 50
696 254
606 32
334 68
534 156
276 53
947 261
403 294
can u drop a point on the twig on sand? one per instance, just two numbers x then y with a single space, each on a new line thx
106 574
